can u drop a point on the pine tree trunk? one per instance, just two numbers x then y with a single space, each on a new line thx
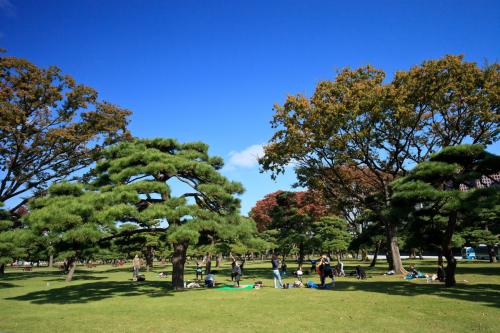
2 269
72 265
451 262
451 266
178 262
374 260
301 255
208 263
149 258
51 261
392 240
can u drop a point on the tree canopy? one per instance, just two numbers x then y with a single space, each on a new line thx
432 190
50 127
361 122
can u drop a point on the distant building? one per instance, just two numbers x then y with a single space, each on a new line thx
483 182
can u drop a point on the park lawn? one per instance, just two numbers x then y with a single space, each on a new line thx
104 299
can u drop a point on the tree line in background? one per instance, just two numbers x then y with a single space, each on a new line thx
384 163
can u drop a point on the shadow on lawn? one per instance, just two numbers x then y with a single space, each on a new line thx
482 293
96 291
7 285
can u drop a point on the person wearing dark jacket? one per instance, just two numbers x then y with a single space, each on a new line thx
276 272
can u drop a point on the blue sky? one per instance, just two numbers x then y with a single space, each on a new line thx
212 70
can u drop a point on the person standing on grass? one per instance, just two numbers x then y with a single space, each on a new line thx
325 270
236 272
276 272
137 266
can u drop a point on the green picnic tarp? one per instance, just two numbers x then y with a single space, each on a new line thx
242 287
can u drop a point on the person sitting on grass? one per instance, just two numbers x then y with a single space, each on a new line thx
299 274
413 271
360 273
210 280
283 268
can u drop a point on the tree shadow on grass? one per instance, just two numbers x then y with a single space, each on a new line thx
487 294
77 277
7 285
96 291
12 275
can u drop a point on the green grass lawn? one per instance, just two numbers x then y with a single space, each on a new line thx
104 299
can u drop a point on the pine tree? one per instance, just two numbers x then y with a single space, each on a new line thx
432 190
146 169
72 220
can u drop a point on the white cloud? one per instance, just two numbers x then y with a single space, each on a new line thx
247 158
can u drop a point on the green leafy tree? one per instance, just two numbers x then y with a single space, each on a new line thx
432 189
13 239
330 235
50 127
146 168
72 220
361 124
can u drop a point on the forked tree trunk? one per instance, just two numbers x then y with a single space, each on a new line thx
218 261
374 260
392 241
71 272
178 262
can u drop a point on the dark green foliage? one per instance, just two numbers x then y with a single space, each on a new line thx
331 235
431 201
143 172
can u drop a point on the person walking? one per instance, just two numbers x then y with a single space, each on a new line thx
137 266
276 272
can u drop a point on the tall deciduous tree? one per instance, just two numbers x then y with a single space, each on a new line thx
50 127
432 189
358 122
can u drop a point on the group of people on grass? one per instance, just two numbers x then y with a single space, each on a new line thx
322 266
